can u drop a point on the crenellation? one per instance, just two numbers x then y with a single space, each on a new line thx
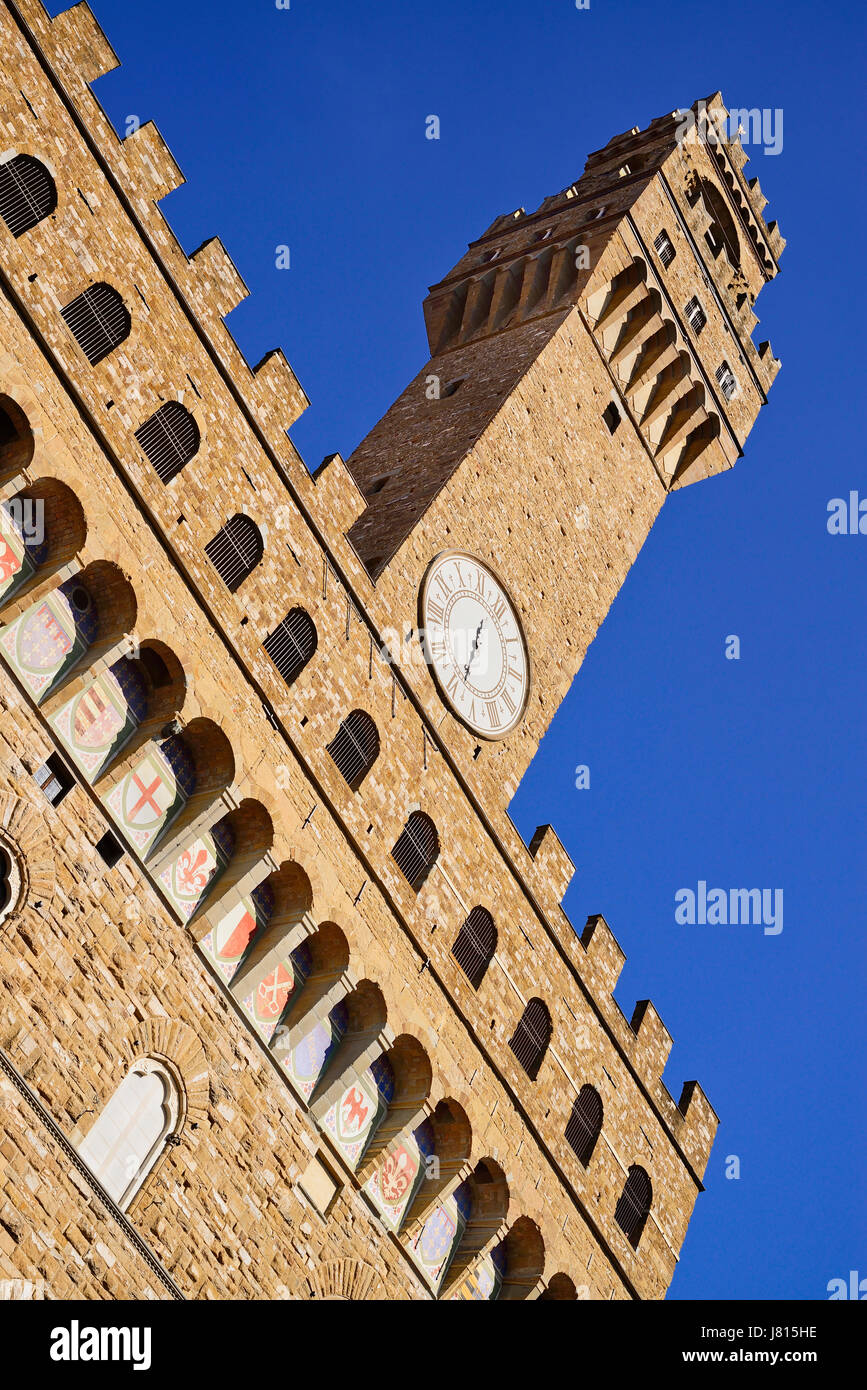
652 1044
151 169
218 286
76 44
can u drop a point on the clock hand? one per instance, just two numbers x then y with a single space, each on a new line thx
474 649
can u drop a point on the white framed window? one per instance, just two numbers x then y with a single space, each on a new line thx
695 315
726 379
132 1130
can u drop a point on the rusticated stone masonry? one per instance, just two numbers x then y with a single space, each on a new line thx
347 1113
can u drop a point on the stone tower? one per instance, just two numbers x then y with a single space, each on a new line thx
287 1007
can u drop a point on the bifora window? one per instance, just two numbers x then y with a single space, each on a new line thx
10 881
131 1131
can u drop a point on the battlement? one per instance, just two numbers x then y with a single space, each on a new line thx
705 123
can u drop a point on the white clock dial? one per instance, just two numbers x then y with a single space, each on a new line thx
474 644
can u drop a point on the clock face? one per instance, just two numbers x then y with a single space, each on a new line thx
474 644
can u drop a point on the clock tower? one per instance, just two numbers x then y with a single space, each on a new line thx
588 358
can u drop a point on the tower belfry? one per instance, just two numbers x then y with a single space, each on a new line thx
586 359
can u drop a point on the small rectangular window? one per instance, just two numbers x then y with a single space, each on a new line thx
54 778
611 416
695 315
727 380
109 850
664 249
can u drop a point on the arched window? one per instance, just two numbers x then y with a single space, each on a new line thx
16 437
10 882
585 1123
27 193
132 1130
634 1204
5 878
417 848
721 235
355 747
292 644
236 550
169 439
531 1037
475 944
98 320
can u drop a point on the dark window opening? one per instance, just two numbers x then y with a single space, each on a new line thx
695 315
611 416
109 849
727 380
664 249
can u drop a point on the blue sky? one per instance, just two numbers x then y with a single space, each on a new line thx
305 127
